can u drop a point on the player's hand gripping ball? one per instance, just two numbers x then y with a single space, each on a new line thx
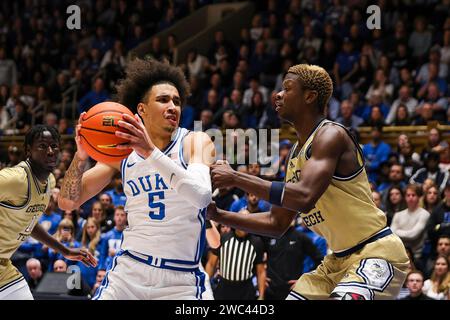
97 132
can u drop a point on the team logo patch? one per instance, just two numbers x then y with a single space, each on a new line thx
377 273
347 296
352 291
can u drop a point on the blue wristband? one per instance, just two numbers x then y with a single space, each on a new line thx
276 193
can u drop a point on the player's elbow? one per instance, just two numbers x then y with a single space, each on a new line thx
302 204
203 198
65 204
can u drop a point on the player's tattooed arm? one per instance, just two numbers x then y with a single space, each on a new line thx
72 186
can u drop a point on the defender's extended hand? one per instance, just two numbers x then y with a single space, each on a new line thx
82 255
211 211
222 175
137 135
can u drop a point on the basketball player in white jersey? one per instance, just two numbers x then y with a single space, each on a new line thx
167 184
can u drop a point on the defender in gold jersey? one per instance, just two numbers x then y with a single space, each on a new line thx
327 184
25 192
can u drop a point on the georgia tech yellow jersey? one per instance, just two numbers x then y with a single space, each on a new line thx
345 214
23 199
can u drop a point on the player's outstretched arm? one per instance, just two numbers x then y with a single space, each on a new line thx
74 254
79 186
270 224
328 146
192 184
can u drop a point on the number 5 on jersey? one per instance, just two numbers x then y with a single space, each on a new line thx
161 213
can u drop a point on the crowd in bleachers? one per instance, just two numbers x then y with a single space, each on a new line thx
397 75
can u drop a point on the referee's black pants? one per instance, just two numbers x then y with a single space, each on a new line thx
235 290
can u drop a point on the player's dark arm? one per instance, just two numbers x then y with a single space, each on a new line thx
271 224
82 255
328 146
261 279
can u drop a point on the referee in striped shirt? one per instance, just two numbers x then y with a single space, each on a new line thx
240 257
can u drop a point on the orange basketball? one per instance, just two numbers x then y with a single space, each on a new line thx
97 132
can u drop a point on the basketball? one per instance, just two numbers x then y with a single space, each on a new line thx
98 127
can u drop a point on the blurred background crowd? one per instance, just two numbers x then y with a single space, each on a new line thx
396 76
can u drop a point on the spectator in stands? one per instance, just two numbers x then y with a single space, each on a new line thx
99 214
376 118
116 193
101 273
394 203
445 50
112 239
425 115
410 224
212 101
438 286
376 196
91 240
414 282
258 115
77 221
250 202
250 92
362 75
13 156
402 58
434 57
96 95
431 198
197 64
420 39
402 117
396 178
114 60
8 69
347 118
51 217
431 171
108 209
35 274
64 126
206 119
21 121
51 119
438 103
381 87
101 40
442 249
439 223
435 143
405 99
343 67
60 266
375 152
66 235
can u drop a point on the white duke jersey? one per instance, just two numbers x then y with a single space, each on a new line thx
161 224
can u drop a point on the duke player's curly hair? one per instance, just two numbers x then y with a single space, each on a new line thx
315 78
142 75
